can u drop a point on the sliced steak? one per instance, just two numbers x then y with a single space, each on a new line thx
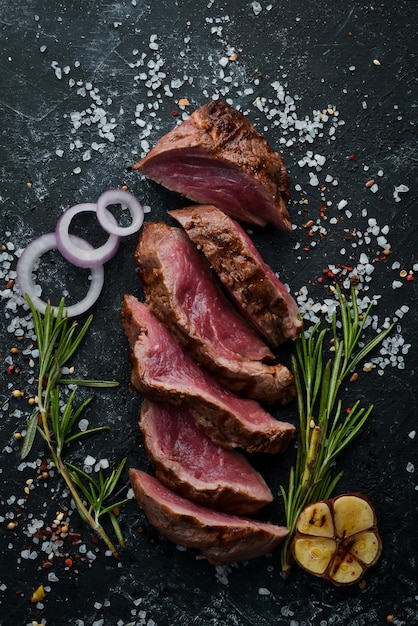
181 290
221 538
162 370
217 157
188 462
260 295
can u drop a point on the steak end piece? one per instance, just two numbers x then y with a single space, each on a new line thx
216 156
188 462
256 290
221 538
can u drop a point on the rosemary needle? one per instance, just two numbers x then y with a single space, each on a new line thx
55 417
324 430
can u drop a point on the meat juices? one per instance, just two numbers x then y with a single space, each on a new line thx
256 290
162 370
221 538
183 292
188 462
217 157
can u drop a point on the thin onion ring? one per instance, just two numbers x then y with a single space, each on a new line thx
33 251
126 199
78 256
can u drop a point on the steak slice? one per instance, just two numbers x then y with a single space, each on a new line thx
162 370
181 290
188 462
221 538
217 157
259 294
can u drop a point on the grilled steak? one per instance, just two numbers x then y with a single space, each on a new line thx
181 290
262 298
220 537
189 463
217 157
162 370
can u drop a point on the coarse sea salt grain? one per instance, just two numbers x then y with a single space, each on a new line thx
399 189
263 591
313 179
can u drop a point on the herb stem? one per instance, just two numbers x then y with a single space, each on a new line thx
93 522
55 417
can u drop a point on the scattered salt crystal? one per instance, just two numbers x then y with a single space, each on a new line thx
52 578
313 179
397 284
263 591
412 434
382 242
102 464
410 467
342 204
398 190
28 554
257 8
320 159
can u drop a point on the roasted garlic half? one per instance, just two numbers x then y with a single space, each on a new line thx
337 539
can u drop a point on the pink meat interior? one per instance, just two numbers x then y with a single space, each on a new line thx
213 181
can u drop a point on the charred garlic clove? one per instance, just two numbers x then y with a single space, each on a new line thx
337 538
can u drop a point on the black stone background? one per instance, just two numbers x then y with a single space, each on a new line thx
309 47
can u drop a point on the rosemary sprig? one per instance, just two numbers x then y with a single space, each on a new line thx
324 431
97 493
54 417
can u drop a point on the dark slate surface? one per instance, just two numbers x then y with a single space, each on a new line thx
59 60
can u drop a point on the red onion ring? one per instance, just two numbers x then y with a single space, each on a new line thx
126 199
71 251
33 251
